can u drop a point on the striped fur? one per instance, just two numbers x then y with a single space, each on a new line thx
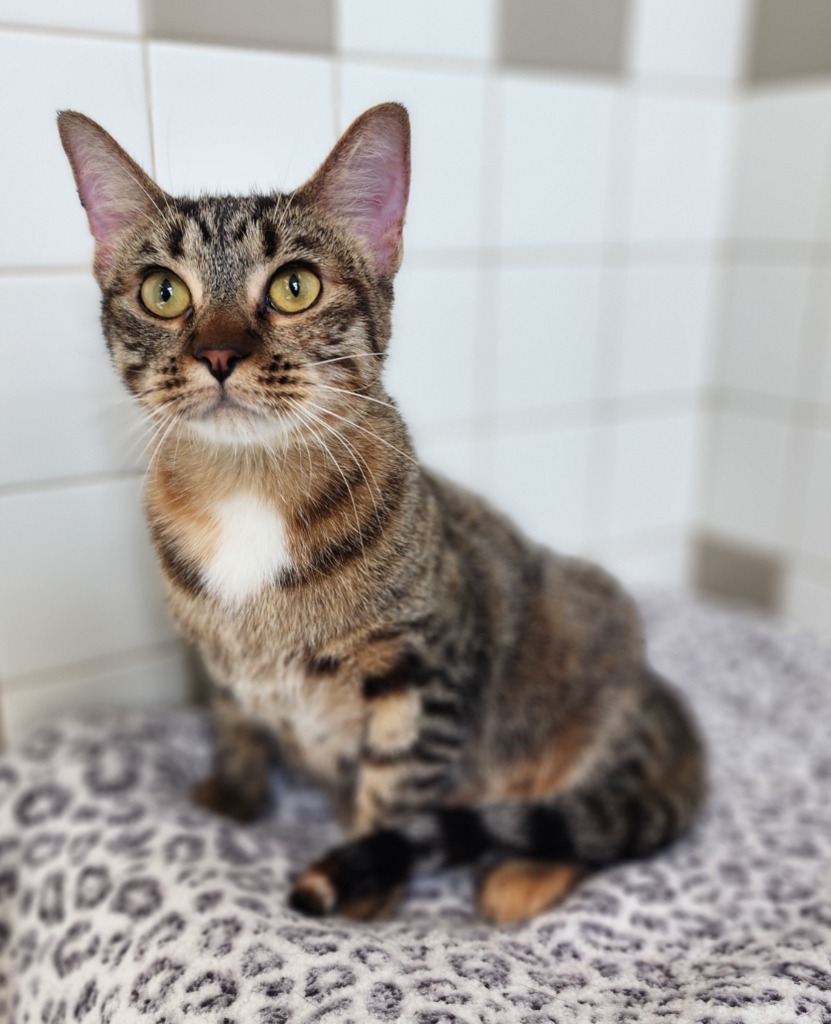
466 694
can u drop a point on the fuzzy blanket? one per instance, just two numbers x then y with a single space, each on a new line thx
119 902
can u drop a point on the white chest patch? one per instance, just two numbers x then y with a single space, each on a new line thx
251 550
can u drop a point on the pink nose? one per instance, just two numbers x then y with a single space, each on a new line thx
220 361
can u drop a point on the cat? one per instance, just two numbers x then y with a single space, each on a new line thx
467 696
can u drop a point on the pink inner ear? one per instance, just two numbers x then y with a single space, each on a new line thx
383 179
114 191
366 181
112 197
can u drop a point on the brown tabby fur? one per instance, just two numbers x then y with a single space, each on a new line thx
466 694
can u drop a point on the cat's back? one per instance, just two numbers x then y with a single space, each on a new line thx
552 601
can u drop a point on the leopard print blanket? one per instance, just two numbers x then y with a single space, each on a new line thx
120 902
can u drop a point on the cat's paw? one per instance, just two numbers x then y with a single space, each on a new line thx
242 804
364 879
315 894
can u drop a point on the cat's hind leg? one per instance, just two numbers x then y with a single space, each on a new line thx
520 888
238 785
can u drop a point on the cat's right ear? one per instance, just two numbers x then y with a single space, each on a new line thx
114 190
365 182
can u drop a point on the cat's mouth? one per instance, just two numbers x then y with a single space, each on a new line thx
226 419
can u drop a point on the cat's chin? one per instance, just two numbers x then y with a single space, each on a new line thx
237 427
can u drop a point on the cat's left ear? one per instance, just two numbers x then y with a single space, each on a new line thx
365 181
114 190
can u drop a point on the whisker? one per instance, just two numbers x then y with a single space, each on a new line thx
357 458
366 398
304 413
340 359
371 433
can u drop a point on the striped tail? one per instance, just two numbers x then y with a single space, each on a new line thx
590 828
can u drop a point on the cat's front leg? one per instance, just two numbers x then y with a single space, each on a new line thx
409 763
238 785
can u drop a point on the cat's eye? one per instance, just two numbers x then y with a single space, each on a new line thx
164 294
294 289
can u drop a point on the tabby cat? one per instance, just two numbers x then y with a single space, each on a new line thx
466 695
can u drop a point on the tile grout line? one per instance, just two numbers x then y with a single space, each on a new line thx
607 341
148 89
14 490
84 668
483 428
791 513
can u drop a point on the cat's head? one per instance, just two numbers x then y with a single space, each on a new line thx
241 318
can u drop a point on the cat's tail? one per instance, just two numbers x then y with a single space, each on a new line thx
590 826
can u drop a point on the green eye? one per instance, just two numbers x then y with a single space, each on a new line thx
294 289
164 294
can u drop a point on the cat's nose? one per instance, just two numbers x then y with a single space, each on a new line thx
220 361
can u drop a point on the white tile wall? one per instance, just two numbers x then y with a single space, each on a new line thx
765 325
815 535
555 161
160 676
447 112
782 163
431 365
548 323
419 28
667 329
453 455
746 459
698 39
681 162
541 480
807 601
227 120
43 223
61 365
652 474
79 579
822 307
99 16
660 560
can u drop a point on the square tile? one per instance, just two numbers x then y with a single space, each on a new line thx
451 455
587 36
653 470
540 479
64 404
823 327
466 28
237 125
745 476
263 24
548 323
666 329
815 535
555 161
765 328
661 562
431 366
680 169
79 578
43 222
689 38
447 115
159 678
121 17
808 602
782 142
